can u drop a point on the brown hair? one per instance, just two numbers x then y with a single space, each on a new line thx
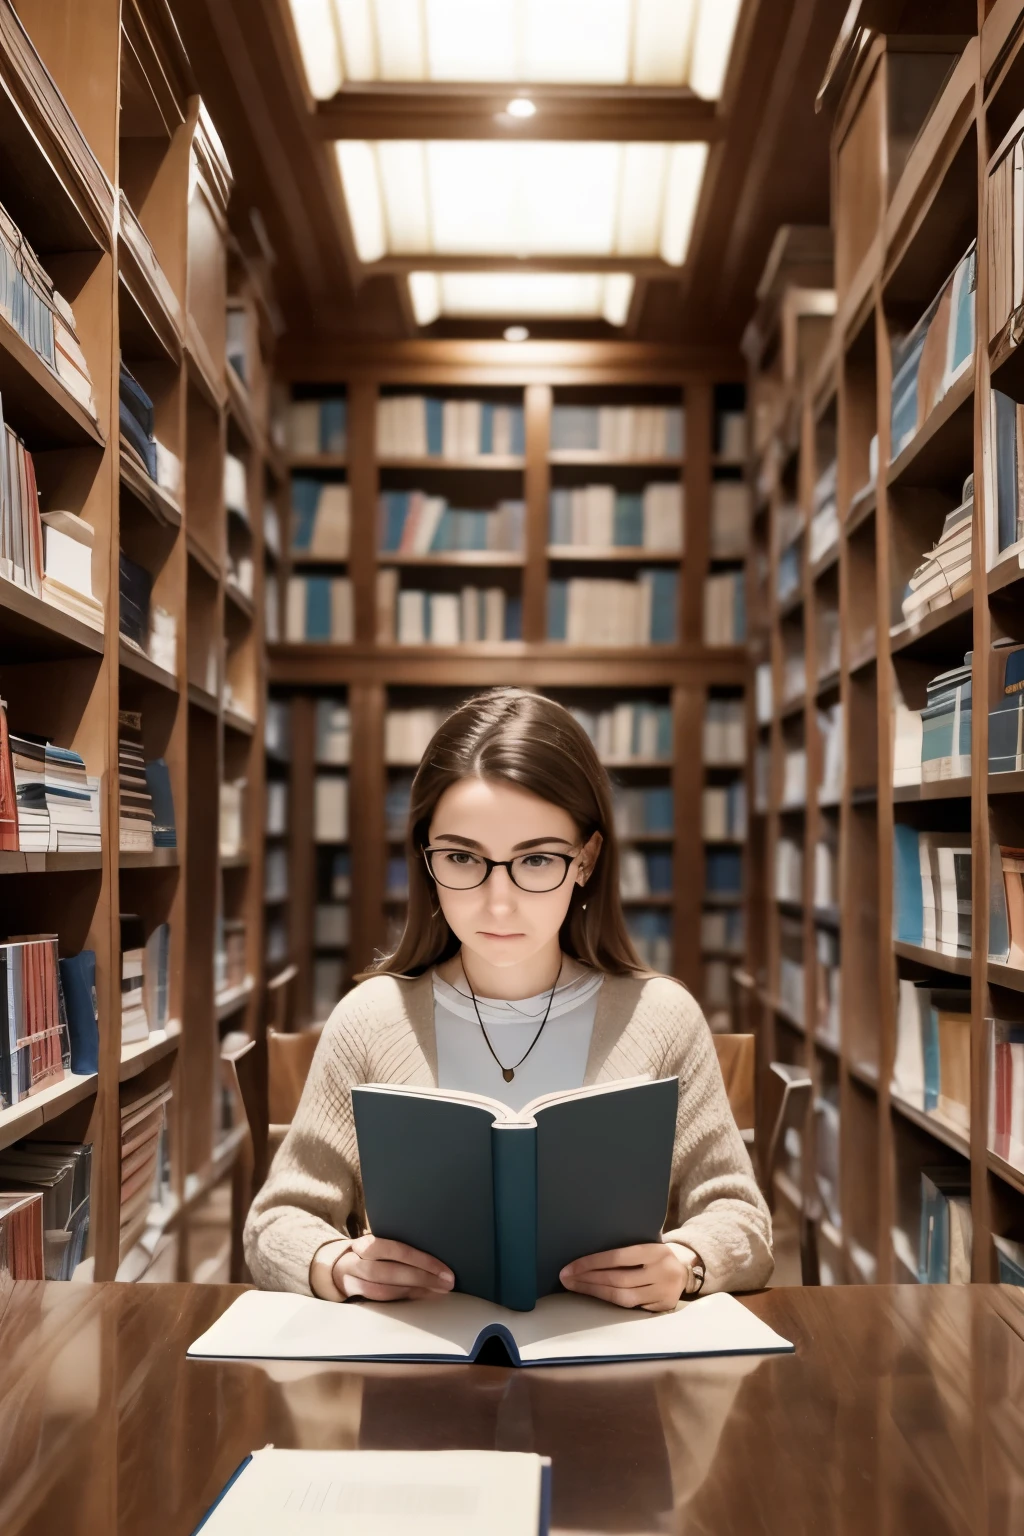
537 745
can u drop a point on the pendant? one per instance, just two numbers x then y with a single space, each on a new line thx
508 1073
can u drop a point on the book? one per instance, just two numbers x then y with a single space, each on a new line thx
316 426
155 975
8 789
333 732
319 609
21 1237
134 1019
135 803
944 1253
231 818
945 572
415 617
1006 420
286 1493
429 426
158 783
612 611
35 1050
561 1330
330 808
320 518
67 567
135 589
61 1172
927 362
515 1208
1006 709
619 431
78 984
725 608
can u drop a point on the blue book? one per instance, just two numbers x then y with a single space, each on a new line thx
514 617
135 401
1005 717
930 1052
965 284
518 431
445 533
663 605
318 607
659 872
396 511
140 440
158 781
78 982
908 903
558 607
1005 431
305 500
723 872
664 741
628 524
937 733
434 409
333 426
560 517
486 426
658 809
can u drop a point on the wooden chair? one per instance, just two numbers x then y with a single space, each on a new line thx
736 1057
280 993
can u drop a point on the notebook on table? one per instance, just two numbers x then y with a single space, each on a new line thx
561 1330
507 1198
384 1493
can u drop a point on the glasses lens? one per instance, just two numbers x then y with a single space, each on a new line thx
538 871
455 869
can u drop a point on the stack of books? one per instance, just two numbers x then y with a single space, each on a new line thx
723 872
271 609
1006 914
794 672
792 986
725 608
724 812
236 486
730 519
136 585
413 523
642 811
35 1049
1007 424
1006 1089
788 575
646 872
619 431
8 788
721 930
945 572
609 611
725 733
138 442
411 616
237 339
651 933
932 889
231 825
58 803
144 1152
826 875
938 351
823 534
828 643
163 638
407 733
635 730
1006 712
67 567
319 608
21 538
21 1238
321 520
789 870
935 743
134 1018
317 426
330 808
600 517
62 1173
42 318
932 1065
333 732
763 693
426 426
135 803
1006 237
947 1228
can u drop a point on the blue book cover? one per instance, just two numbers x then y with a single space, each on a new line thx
444 534
318 607
723 872
659 872
514 617
333 426
930 1052
1006 468
434 409
908 905
963 743
140 440
560 519
937 730
663 605
664 739
658 809
518 432
558 604
739 622
906 360
629 522
135 400
965 283
486 426
78 981
305 500
158 781
1004 721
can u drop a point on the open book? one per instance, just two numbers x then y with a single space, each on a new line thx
506 1199
561 1330
384 1493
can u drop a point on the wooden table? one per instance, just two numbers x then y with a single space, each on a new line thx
902 1412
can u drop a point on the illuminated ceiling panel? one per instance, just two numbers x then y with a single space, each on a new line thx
521 295
523 200
584 42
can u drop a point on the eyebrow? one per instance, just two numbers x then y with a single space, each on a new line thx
531 842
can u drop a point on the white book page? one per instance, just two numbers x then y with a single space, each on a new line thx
277 1325
382 1493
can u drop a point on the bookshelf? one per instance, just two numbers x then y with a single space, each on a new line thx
922 125
534 401
114 174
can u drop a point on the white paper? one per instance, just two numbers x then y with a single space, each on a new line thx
382 1493
277 1325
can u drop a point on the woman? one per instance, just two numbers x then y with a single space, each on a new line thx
515 976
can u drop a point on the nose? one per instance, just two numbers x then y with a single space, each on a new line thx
501 891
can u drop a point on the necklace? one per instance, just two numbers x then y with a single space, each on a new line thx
508 1073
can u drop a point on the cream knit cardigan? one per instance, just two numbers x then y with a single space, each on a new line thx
383 1032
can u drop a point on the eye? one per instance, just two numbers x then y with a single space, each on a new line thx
537 860
461 860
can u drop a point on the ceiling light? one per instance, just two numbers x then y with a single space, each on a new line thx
516 333
521 199
570 42
532 295
520 106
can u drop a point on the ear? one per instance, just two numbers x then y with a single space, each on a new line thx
588 856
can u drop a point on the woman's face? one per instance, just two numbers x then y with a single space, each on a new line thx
502 924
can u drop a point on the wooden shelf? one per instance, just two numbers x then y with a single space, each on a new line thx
593 458
198 1185
790 604
316 461
202 556
827 917
1008 1172
1006 783
34 630
240 723
149 311
865 1073
653 899
36 403
954 965
48 863
938 789
1009 976
491 462
134 661
240 408
158 858
201 698
233 999
136 1058
860 511
234 860
159 503
947 628
825 563
463 558
620 554
936 1125
943 444
239 600
44 1107
1007 572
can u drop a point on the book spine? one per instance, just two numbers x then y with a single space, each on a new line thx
514 1164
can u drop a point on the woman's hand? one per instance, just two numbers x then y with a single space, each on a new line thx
652 1276
379 1269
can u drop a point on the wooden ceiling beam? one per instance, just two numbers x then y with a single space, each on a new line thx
652 114
639 266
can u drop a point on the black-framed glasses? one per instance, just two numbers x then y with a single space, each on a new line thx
459 870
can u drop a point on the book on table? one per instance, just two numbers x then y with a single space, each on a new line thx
384 1493
454 1329
506 1199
